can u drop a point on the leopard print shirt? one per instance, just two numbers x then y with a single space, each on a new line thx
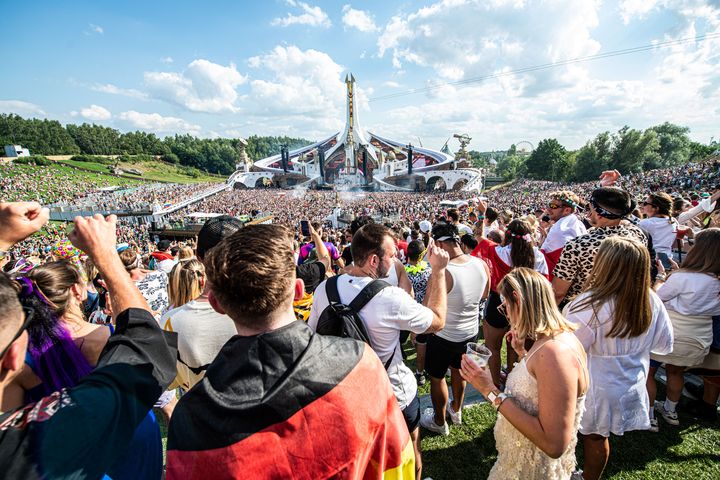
578 255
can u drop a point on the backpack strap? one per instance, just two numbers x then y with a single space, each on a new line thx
366 294
331 289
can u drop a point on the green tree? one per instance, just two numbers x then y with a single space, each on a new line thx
593 158
635 150
510 167
674 144
547 160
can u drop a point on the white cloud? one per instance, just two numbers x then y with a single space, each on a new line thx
93 112
21 108
115 90
359 19
298 91
437 36
167 60
154 122
94 30
391 84
203 86
312 15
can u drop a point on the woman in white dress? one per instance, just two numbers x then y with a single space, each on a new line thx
619 321
692 297
540 410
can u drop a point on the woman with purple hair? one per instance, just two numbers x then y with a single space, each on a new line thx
63 348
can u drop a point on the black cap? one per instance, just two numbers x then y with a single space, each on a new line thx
214 230
312 274
163 245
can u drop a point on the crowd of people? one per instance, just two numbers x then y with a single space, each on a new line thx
278 350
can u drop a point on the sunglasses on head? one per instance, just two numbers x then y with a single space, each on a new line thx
29 313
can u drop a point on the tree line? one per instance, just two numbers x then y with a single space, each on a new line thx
217 155
628 150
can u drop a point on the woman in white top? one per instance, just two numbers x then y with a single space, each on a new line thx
691 296
661 227
619 321
536 431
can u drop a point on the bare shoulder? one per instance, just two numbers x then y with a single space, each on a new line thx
560 355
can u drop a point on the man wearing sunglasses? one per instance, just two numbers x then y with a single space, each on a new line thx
82 431
567 226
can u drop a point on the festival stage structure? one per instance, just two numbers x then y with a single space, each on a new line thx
358 159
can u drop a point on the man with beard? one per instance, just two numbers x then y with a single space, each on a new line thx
390 311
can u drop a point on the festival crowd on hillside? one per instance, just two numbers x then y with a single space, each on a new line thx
278 350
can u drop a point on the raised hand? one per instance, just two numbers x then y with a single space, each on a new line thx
19 220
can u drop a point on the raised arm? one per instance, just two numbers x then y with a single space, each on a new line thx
436 296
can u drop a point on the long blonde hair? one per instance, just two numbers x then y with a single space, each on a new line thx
621 274
187 280
531 292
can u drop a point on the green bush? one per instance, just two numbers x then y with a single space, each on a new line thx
38 160
170 158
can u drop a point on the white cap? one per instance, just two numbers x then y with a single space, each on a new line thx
425 226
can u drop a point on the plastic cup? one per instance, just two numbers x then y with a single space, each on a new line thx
479 354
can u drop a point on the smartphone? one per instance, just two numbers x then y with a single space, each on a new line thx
305 228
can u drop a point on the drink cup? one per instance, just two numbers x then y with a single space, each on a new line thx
478 353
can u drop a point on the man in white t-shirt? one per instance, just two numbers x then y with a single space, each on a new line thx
202 331
561 210
391 311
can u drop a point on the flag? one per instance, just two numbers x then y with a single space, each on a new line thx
291 404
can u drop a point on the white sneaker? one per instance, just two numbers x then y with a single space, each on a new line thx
654 425
427 421
455 417
670 417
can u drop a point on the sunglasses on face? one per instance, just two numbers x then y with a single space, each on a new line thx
553 206
645 204
29 313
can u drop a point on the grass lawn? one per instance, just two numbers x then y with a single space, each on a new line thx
688 451
154 171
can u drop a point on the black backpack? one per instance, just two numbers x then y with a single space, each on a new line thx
344 321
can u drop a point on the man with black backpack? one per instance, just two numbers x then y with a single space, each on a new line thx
383 311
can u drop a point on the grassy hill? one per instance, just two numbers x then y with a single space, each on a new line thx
152 170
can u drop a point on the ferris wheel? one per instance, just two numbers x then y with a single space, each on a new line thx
524 147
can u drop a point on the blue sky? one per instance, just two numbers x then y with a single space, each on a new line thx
276 67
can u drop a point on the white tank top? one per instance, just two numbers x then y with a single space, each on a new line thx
463 301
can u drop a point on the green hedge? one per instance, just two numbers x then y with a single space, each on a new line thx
39 160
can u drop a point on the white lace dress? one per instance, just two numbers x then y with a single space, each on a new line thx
518 457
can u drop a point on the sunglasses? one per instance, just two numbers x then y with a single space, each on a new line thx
29 314
553 206
645 204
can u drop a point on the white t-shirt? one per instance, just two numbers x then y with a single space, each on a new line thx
663 232
202 332
691 293
389 312
562 232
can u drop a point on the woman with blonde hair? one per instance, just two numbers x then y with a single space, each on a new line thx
185 253
540 410
692 297
619 322
187 281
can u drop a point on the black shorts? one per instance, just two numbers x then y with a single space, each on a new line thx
493 317
411 414
442 354
421 338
